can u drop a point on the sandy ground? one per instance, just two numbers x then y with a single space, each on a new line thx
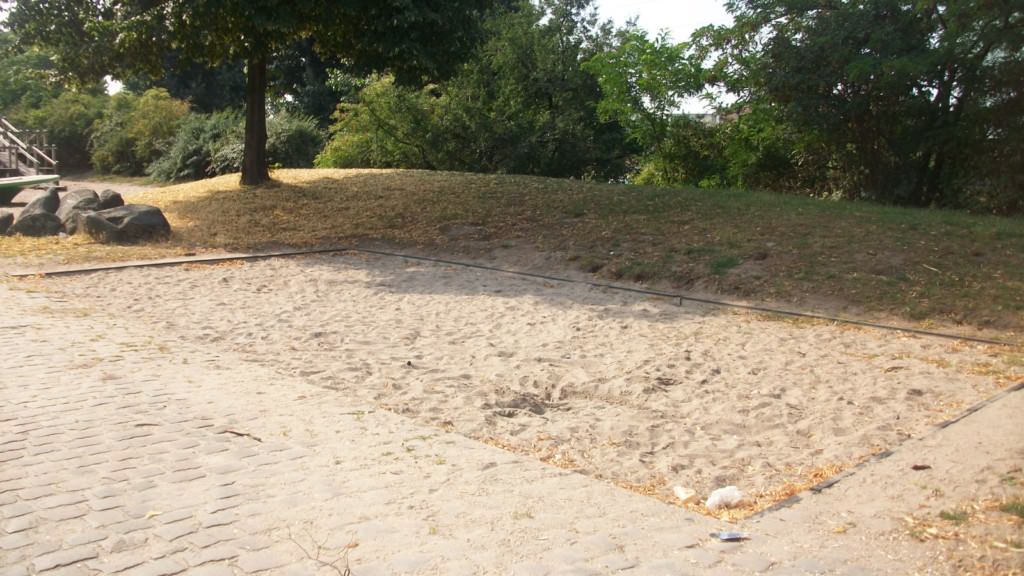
638 391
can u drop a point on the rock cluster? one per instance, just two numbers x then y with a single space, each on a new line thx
104 217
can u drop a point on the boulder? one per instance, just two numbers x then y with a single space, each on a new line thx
48 202
6 219
74 202
124 224
110 199
38 223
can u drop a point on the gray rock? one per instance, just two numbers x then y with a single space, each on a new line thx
125 224
39 223
110 199
48 202
6 219
74 202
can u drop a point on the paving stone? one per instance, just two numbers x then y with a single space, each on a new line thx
212 554
261 561
105 518
225 492
177 530
208 538
174 516
129 526
63 558
161 567
107 491
85 538
184 476
253 543
35 492
106 504
212 570
65 499
15 510
14 571
224 504
69 571
123 543
751 562
19 524
703 558
15 541
64 513
218 519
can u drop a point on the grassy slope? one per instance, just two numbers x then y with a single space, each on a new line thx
931 266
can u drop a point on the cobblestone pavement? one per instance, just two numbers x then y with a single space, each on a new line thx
124 453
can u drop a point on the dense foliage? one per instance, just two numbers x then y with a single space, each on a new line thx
93 38
522 104
895 101
899 101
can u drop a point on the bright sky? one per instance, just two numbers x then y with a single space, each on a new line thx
679 17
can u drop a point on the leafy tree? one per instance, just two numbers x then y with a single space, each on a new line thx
894 97
206 88
522 104
92 38
25 80
644 83
69 120
135 131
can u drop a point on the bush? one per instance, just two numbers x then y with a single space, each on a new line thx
190 154
293 141
135 131
68 119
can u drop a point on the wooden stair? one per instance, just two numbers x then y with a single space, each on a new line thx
25 152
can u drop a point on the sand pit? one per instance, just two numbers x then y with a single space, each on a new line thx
638 391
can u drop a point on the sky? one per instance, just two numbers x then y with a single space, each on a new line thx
679 17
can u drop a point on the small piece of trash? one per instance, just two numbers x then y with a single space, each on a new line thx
727 497
920 467
685 495
152 513
730 536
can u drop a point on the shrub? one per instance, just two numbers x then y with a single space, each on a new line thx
68 119
293 141
190 154
135 131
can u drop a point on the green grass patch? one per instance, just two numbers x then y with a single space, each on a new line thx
1014 507
720 266
957 517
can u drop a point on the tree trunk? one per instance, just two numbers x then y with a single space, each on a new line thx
254 159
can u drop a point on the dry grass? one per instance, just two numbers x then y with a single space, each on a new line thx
933 267
980 538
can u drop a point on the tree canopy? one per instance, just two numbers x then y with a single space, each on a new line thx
415 41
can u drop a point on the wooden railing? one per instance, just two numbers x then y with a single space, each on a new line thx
25 152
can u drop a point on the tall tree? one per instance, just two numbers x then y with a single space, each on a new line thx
896 94
415 40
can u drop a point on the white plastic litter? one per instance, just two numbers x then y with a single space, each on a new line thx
685 495
727 497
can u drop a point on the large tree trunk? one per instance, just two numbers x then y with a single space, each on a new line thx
254 160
